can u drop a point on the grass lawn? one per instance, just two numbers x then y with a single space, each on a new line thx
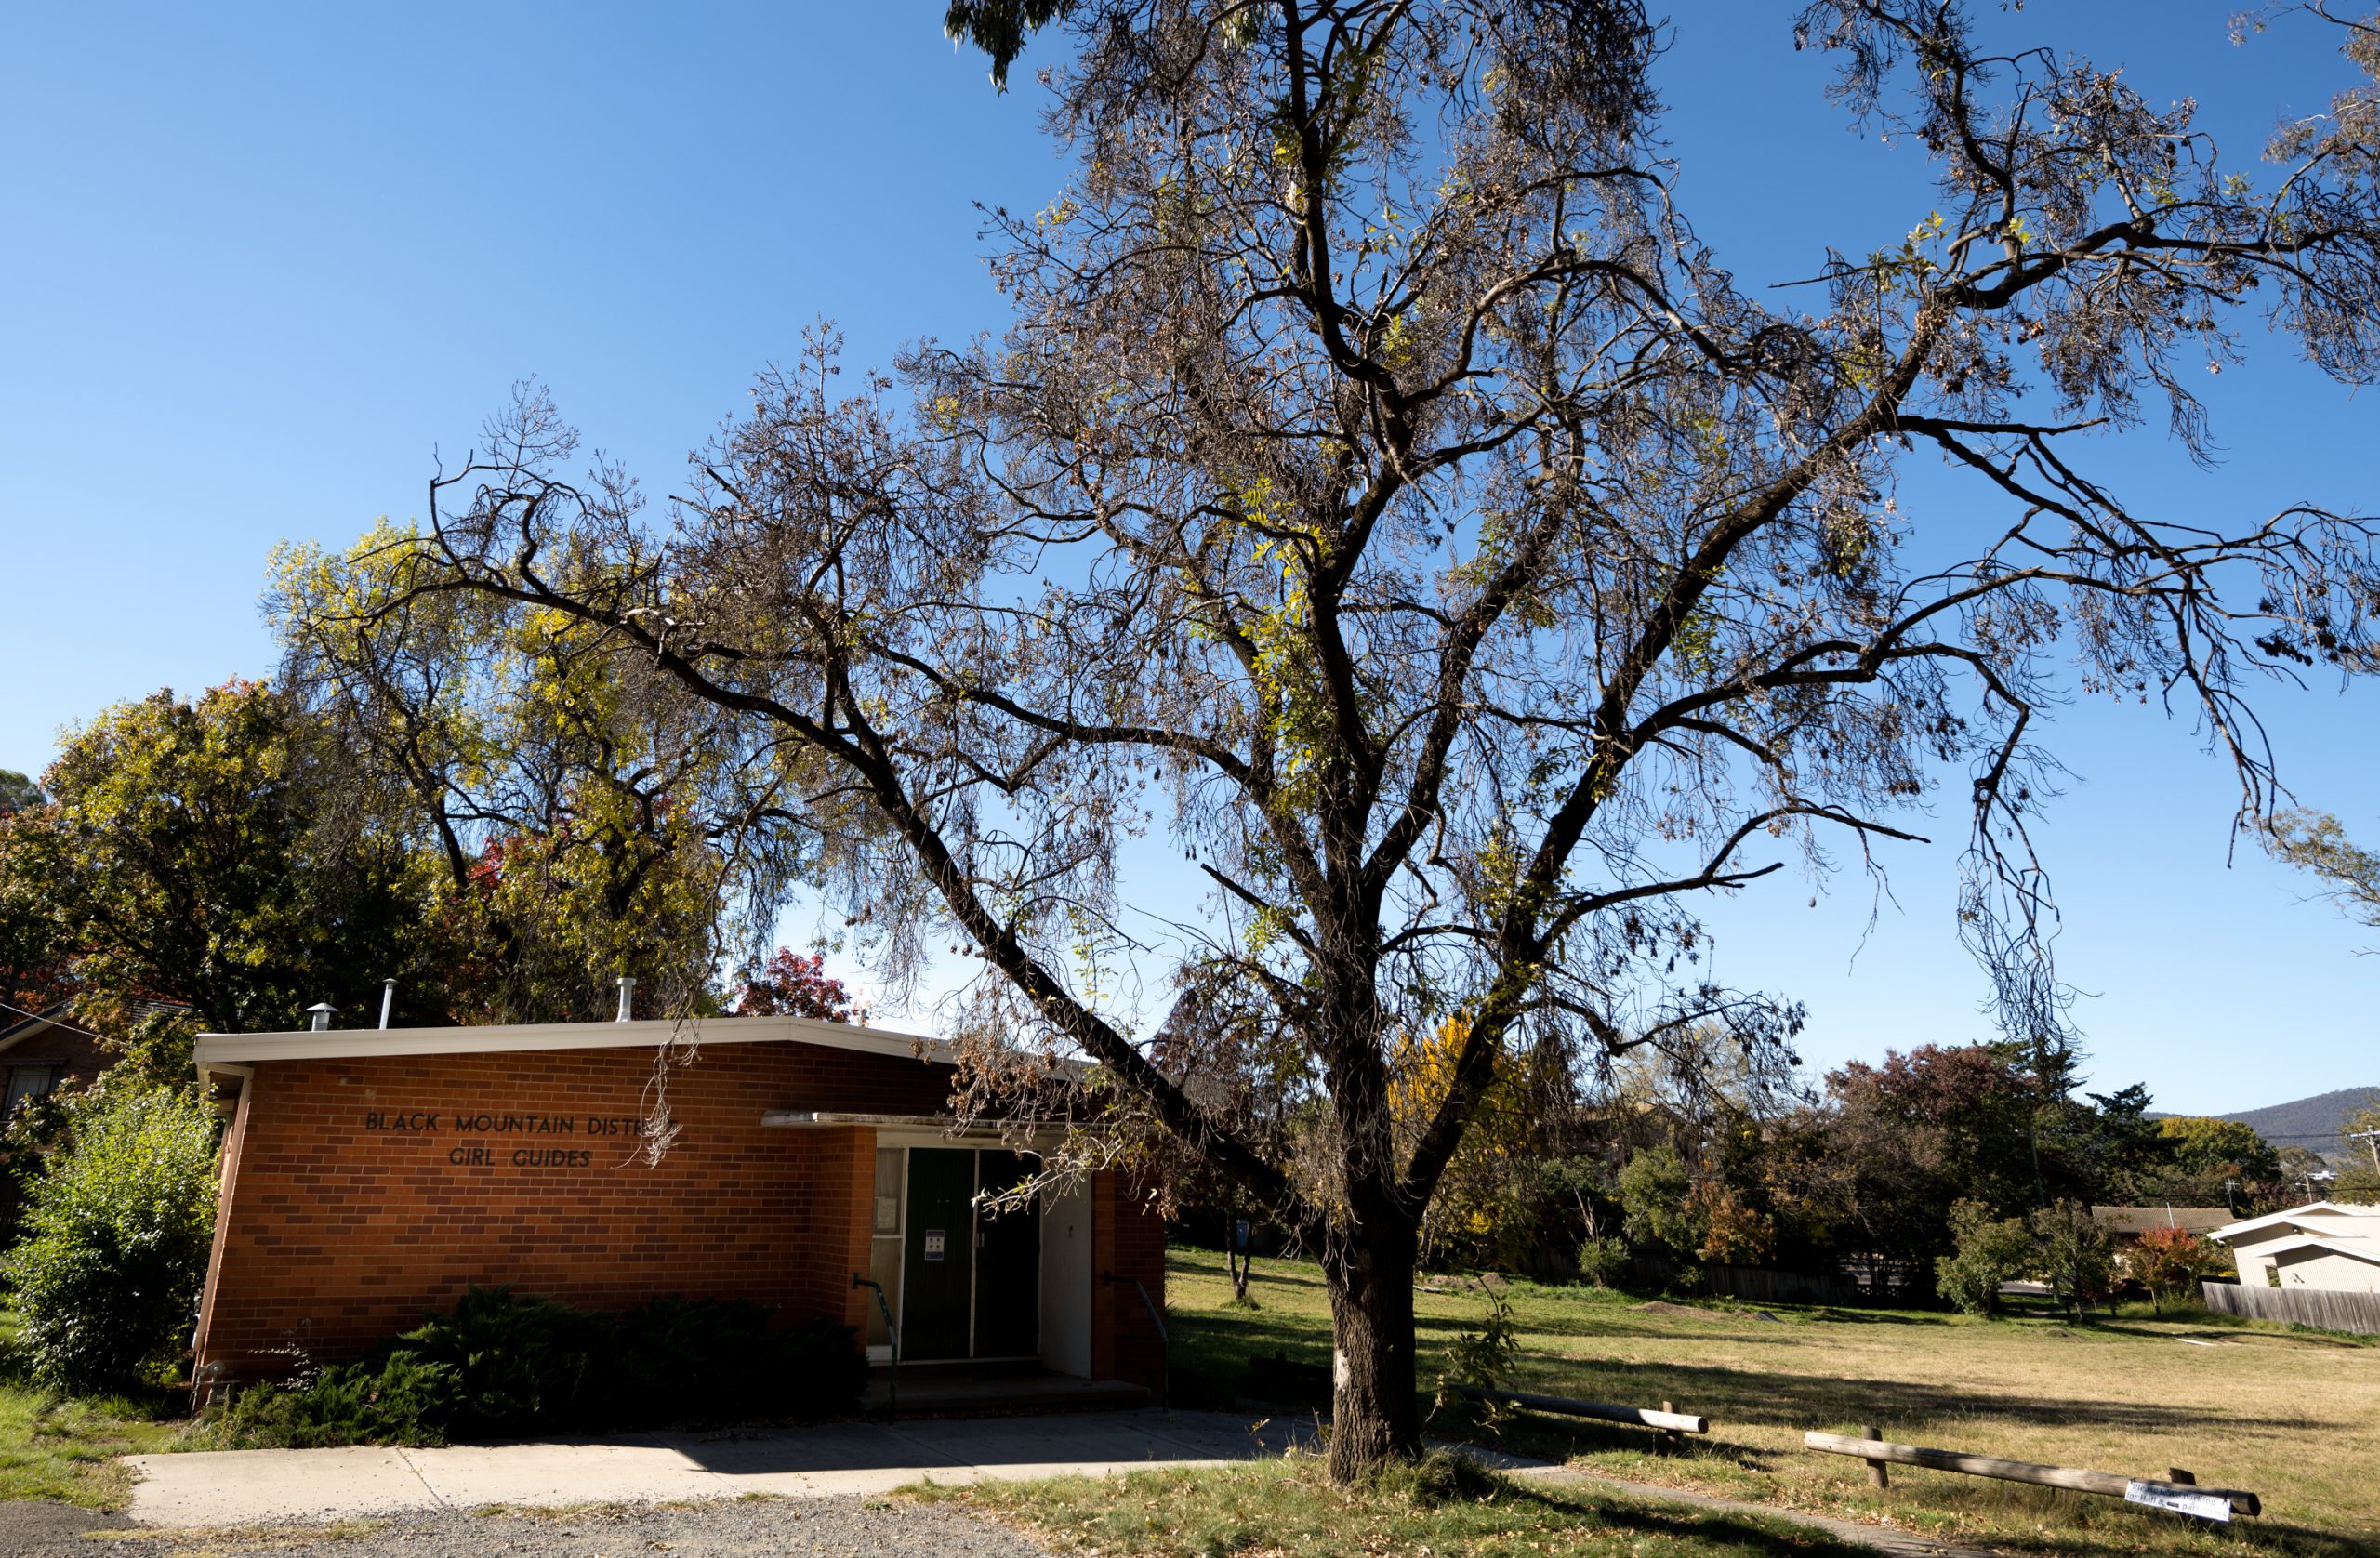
2294 1416
63 1450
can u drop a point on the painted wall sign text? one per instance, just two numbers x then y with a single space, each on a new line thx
432 1122
485 1156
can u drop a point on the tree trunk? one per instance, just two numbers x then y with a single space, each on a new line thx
1374 1417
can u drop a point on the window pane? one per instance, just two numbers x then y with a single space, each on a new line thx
28 1081
887 1190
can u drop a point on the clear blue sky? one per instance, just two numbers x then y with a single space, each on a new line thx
261 262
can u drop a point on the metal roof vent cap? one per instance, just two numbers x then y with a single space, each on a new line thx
321 1013
627 998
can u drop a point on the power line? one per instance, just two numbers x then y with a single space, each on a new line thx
53 1021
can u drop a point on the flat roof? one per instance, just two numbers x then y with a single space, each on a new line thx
2134 1220
215 1051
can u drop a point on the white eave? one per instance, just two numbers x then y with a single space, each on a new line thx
2358 1250
2284 1219
215 1052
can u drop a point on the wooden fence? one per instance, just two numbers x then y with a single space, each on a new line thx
1762 1286
2332 1310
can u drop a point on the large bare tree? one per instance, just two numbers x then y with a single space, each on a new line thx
1382 498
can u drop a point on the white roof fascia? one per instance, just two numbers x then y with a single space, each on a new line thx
2358 1248
341 1043
2273 1219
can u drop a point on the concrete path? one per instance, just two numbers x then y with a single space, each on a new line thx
254 1487
246 1488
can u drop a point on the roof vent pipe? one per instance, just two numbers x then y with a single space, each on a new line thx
627 998
388 999
321 1013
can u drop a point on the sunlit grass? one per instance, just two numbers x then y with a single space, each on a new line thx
57 1449
2294 1416
1289 1509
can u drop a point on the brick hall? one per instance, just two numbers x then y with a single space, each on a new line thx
370 1176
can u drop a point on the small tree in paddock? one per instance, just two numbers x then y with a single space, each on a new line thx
2171 1262
1987 1251
1383 496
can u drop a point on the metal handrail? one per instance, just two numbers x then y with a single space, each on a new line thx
1164 1342
892 1380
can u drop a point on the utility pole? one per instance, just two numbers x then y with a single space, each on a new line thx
2371 1139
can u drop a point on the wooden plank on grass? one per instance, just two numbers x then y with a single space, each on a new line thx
1674 1422
2139 1490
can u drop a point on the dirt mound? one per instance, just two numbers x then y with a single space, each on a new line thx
1662 1306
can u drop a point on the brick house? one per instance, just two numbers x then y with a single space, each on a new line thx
40 1054
370 1176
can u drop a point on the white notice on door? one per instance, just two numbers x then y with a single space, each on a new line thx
933 1245
2181 1500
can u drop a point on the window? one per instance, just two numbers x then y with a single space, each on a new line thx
28 1081
884 1247
887 1190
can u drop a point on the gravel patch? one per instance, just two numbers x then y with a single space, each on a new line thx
746 1528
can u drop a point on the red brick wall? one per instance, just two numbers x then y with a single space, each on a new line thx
78 1055
332 1234
1128 1239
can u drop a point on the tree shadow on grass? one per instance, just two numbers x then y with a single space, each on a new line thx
2051 1520
1805 1401
2311 1342
1715 1529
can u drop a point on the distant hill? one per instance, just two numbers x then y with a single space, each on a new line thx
2309 1122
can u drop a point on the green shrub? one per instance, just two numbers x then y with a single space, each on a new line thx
1484 1358
2072 1250
1603 1261
1990 1251
396 1400
502 1365
1658 1193
511 1362
117 1228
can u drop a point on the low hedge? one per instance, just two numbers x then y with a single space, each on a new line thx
500 1365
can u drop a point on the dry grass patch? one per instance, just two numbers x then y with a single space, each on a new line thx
1286 1508
2292 1416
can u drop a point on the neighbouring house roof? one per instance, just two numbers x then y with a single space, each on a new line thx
2360 1249
2292 1217
20 1024
236 1052
55 1016
25 1028
2139 1219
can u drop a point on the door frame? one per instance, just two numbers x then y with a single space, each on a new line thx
907 1142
